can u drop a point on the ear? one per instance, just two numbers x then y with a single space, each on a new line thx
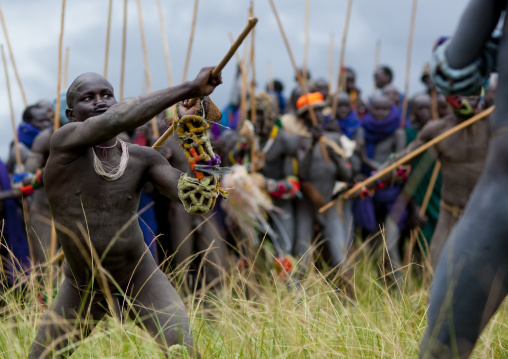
70 114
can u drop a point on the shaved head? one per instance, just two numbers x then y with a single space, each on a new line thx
87 77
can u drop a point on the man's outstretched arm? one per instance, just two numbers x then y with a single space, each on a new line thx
131 113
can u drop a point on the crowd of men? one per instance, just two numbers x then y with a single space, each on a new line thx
288 159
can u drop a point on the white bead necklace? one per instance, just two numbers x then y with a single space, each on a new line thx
105 170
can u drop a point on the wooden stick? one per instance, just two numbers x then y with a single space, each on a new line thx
423 209
430 188
108 35
11 55
377 54
56 122
433 99
408 64
407 158
19 166
341 76
155 128
243 87
306 42
216 71
298 76
124 47
253 67
253 146
165 44
191 39
66 68
330 66
271 87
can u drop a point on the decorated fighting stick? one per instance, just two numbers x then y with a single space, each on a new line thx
299 77
411 155
216 71
11 55
341 78
408 64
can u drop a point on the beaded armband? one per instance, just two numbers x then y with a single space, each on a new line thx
198 196
468 80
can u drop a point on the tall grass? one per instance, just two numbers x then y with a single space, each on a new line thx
258 315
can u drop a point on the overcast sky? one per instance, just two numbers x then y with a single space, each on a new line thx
34 30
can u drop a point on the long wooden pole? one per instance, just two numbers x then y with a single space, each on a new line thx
270 77
155 128
253 149
216 71
423 208
377 54
11 55
124 48
19 166
165 44
191 40
407 158
306 42
408 64
298 75
56 123
430 188
244 83
66 68
108 36
341 77
330 66
253 67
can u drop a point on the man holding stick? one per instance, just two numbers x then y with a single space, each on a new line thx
93 181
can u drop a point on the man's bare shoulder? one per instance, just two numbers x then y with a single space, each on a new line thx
58 137
435 128
42 141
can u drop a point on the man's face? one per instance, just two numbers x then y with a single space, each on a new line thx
422 110
318 111
350 81
92 97
322 87
392 93
381 79
427 81
40 118
380 108
259 126
343 108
